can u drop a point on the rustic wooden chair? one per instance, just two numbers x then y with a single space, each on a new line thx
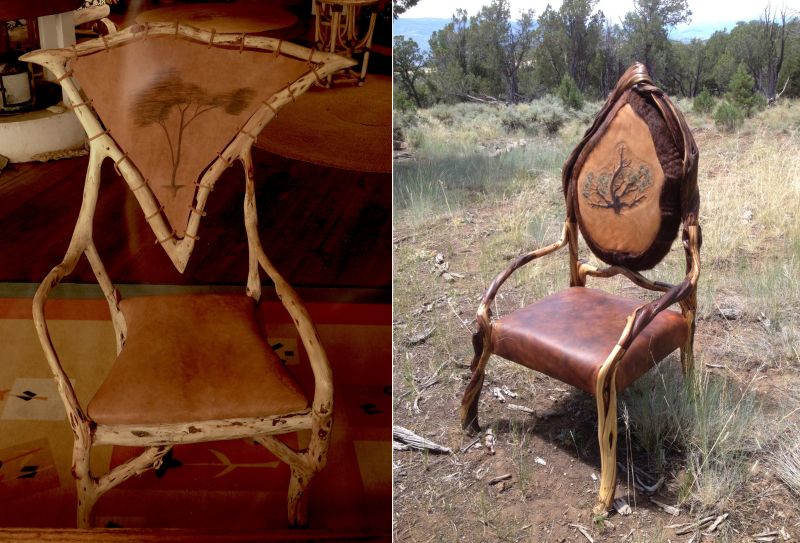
336 29
173 107
628 185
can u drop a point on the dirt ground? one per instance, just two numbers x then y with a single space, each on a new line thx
550 458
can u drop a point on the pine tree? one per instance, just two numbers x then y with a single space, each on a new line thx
741 91
569 93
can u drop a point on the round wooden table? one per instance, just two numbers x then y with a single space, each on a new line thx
344 127
224 18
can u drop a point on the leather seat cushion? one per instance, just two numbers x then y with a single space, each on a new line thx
568 335
193 358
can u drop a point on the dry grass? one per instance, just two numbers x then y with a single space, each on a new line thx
786 460
712 437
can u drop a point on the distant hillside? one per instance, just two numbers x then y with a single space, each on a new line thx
420 30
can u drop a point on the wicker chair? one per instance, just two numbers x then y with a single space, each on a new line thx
629 185
172 107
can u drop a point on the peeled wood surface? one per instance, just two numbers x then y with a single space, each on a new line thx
321 226
101 535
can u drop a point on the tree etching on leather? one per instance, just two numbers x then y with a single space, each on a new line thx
623 187
168 91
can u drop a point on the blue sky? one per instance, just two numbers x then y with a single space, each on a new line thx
703 12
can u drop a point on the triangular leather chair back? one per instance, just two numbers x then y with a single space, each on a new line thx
174 105
632 179
629 185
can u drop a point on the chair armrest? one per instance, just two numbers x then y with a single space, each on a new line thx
644 314
90 14
80 242
322 404
484 311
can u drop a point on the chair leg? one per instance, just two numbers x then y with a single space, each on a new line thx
607 436
86 485
687 354
90 488
304 465
297 504
469 403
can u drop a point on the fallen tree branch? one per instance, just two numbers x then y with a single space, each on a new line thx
481 100
499 479
404 435
584 531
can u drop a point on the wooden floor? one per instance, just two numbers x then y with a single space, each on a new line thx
322 227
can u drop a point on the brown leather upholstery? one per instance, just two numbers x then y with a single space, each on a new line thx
568 335
625 217
223 368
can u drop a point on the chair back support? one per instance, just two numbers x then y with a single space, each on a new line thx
632 179
173 110
173 106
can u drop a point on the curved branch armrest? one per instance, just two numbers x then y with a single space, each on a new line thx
109 24
484 311
39 300
643 315
94 13
323 380
81 240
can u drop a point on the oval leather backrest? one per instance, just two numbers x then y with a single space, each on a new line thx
632 179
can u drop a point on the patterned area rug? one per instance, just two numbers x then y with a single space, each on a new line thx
220 485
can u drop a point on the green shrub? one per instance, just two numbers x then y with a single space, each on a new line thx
519 118
569 94
741 91
543 116
728 117
402 120
703 103
761 102
442 113
401 101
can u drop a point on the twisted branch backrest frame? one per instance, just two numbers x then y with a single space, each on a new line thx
159 438
679 195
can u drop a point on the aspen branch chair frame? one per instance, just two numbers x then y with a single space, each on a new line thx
637 125
306 67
